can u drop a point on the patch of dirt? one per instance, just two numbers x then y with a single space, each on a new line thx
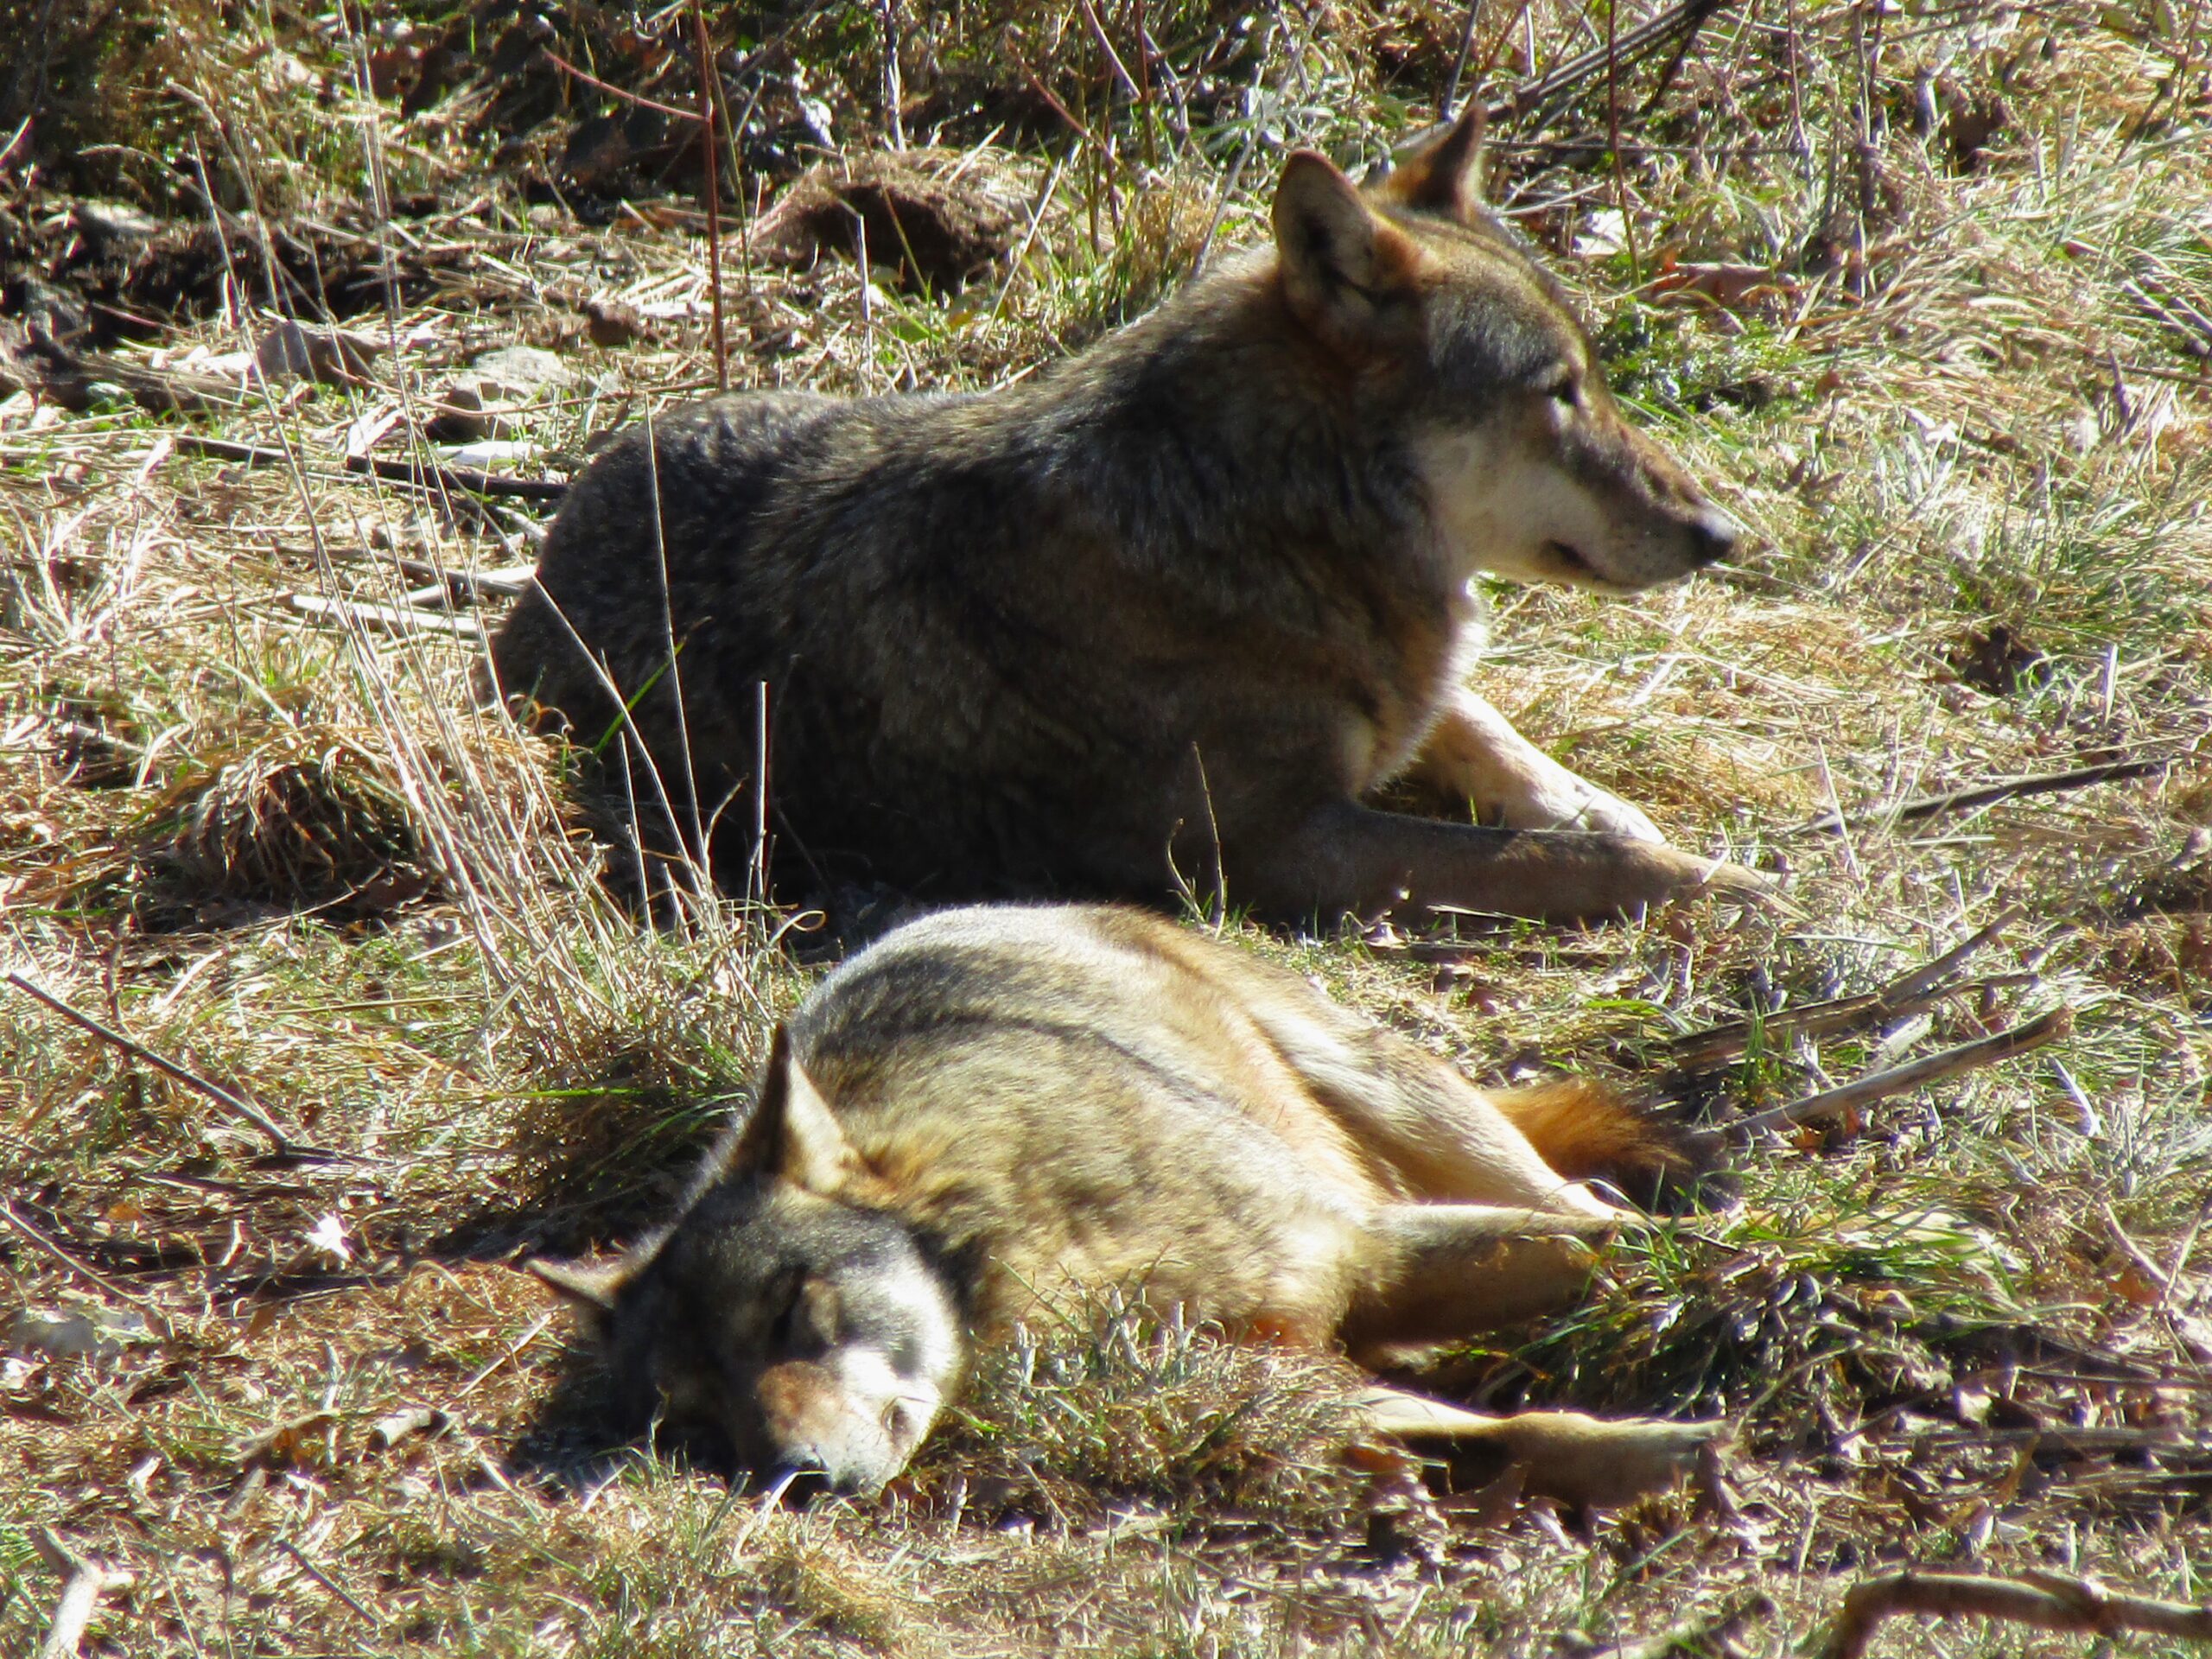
930 215
1996 660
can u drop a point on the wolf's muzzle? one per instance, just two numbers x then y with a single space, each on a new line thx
1714 535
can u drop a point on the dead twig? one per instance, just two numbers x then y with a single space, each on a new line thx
389 619
470 479
709 105
90 1275
614 91
445 587
1951 1063
326 1582
1540 98
2050 1601
1957 800
1909 993
229 1100
83 1582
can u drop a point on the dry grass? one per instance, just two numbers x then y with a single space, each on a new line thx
1952 368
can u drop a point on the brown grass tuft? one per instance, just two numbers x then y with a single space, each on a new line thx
305 821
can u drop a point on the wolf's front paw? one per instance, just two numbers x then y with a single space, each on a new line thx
1589 807
1653 876
1545 795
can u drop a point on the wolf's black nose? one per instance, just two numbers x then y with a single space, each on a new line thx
1714 535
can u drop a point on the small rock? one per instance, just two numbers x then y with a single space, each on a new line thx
463 416
113 227
522 372
292 351
610 323
78 1333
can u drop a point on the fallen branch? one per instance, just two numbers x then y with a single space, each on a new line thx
471 480
83 1582
231 1101
1910 993
463 587
1958 800
1545 93
31 360
391 618
1951 1063
2050 1601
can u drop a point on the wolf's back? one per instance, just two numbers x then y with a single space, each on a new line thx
684 494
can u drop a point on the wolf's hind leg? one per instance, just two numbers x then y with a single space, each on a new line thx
1564 1454
1472 754
1532 1146
1436 1272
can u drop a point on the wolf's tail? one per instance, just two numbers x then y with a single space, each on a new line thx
1588 1132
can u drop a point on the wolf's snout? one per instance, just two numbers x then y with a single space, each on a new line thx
1714 535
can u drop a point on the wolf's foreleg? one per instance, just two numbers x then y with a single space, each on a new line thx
1349 858
1472 754
1563 1454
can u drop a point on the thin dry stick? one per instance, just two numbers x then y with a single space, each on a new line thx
709 103
470 479
1951 1063
83 1582
1450 101
1613 144
389 619
83 1270
1905 994
612 91
237 1104
1908 993
2050 1601
1925 978
1928 806
1630 47
1106 46
326 1580
1703 1050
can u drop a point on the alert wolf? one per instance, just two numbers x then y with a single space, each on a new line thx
1169 613
995 1105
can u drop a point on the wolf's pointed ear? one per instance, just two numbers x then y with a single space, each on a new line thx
1445 174
1341 267
593 1288
792 1133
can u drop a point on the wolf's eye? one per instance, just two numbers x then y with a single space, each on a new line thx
1561 384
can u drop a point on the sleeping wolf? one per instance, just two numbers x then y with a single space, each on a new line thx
1001 1104
1169 615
